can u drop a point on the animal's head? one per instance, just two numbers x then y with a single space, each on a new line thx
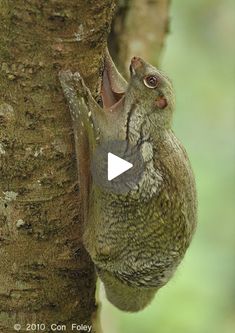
141 107
152 92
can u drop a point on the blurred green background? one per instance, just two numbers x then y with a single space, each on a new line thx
200 58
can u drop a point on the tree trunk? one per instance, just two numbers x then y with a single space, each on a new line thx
46 277
139 28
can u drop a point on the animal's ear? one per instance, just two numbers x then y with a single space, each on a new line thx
161 102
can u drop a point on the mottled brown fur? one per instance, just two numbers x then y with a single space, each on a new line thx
137 239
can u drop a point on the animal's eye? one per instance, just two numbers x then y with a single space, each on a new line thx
151 81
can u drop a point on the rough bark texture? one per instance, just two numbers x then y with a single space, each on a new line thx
45 274
139 28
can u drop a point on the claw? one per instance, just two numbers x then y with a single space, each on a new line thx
65 76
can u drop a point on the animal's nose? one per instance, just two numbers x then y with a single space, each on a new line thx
136 62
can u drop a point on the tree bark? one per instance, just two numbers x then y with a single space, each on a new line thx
46 277
139 28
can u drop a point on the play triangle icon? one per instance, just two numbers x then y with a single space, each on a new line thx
117 166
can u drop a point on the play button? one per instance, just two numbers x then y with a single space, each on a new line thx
116 166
